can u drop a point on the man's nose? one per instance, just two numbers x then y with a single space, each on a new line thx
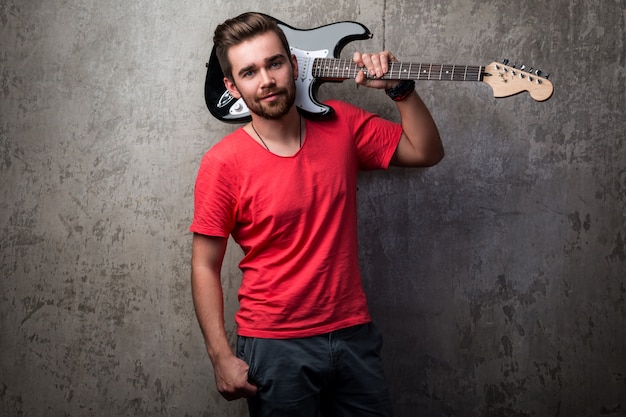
266 78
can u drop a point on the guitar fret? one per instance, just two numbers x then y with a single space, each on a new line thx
396 72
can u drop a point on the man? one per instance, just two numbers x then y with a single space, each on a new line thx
285 189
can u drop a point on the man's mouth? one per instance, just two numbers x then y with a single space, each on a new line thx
271 97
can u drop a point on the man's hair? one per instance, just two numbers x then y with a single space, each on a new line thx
239 29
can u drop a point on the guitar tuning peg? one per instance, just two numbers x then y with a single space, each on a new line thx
522 67
531 70
538 73
547 76
505 62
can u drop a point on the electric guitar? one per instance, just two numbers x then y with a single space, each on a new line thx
312 48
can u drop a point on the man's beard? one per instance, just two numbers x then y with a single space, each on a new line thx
274 109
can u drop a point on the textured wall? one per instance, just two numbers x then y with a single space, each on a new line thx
497 276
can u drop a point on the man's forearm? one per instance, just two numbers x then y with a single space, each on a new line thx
420 129
231 373
206 288
209 306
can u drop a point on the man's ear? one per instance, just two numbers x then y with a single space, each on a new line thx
294 65
231 87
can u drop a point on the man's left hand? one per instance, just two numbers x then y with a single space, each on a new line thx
376 65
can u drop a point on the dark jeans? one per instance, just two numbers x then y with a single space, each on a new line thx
338 374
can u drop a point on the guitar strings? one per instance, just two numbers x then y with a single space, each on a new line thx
344 68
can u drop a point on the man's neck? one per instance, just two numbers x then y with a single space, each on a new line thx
281 136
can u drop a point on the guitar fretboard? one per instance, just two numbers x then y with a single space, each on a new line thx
342 69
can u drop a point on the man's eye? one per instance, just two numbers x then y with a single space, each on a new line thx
248 74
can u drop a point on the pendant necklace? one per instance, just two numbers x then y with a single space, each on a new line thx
265 144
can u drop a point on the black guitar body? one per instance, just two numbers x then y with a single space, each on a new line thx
306 45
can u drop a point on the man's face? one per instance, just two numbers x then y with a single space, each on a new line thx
263 75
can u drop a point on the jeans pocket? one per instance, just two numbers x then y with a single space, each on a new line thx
245 352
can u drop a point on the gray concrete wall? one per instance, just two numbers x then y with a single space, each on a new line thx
497 276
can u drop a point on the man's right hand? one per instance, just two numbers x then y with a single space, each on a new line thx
231 378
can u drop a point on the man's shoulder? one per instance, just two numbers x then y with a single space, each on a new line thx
230 143
340 105
341 108
225 151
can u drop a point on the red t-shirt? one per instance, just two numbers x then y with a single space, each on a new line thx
295 219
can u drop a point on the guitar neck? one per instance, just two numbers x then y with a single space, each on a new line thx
343 69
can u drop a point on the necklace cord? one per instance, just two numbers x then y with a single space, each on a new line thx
265 144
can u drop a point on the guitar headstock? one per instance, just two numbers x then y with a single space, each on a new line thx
506 80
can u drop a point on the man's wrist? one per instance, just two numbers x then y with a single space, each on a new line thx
401 91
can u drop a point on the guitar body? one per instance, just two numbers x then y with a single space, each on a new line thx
306 45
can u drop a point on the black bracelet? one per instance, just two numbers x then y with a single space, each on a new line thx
401 91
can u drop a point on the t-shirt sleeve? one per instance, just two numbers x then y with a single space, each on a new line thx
215 201
376 139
